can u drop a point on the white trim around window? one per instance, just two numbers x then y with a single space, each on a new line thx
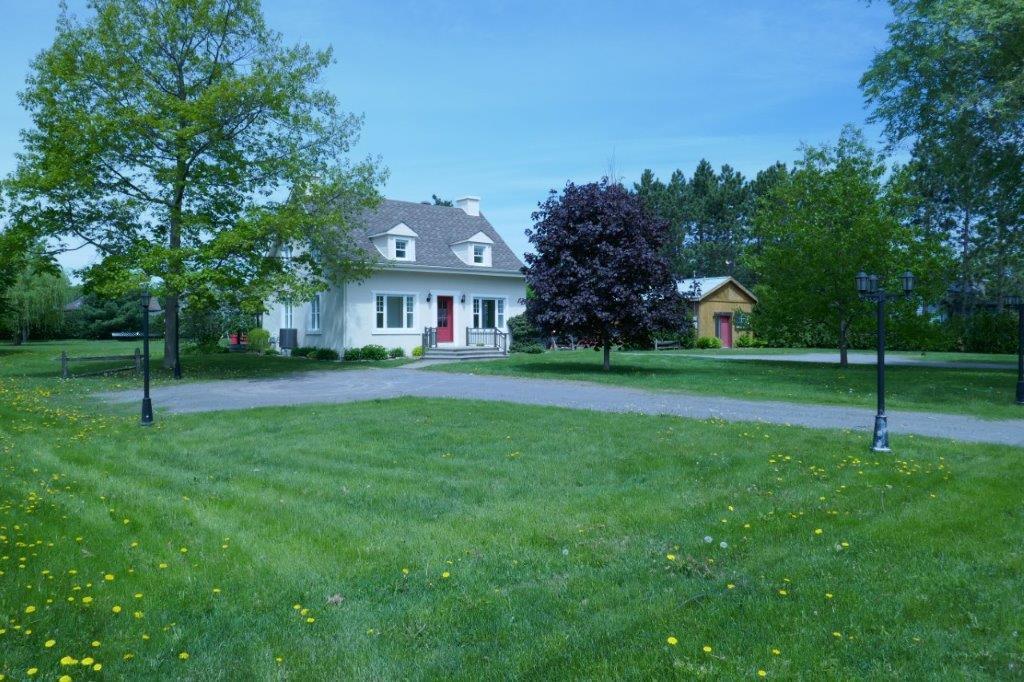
314 314
287 316
394 306
500 311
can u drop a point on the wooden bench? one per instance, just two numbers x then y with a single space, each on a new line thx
667 345
66 360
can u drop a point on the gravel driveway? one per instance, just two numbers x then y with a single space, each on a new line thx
368 384
860 358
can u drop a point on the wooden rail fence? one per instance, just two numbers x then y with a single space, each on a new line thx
66 360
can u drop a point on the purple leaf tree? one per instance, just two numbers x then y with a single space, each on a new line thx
600 270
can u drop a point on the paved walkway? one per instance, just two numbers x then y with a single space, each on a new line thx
862 358
369 384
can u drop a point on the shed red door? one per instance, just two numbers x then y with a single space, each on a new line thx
724 331
445 323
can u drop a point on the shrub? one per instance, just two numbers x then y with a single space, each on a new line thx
709 342
372 351
353 354
523 333
324 354
271 351
302 351
417 352
259 339
749 341
532 348
396 353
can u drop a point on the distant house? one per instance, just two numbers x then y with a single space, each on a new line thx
717 301
444 280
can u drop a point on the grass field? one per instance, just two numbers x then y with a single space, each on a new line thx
435 538
42 361
981 392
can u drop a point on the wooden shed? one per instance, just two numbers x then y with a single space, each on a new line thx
717 302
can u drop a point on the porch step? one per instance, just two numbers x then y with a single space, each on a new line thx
471 353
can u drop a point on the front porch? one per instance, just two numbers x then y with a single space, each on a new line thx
476 343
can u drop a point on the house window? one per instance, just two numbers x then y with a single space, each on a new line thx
478 253
286 253
288 316
395 311
401 246
314 314
488 313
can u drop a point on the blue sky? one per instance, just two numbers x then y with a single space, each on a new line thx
507 100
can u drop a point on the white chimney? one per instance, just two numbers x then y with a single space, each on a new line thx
471 205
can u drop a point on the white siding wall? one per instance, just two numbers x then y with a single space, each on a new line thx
347 313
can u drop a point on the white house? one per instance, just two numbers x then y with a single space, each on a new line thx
446 280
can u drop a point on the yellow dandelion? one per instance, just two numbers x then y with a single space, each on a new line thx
729 586
278 658
88 660
97 667
311 620
817 531
116 609
95 643
183 550
31 671
446 575
670 557
162 566
762 673
183 655
49 643
672 641
828 595
783 593
86 600
138 595
109 577
775 652
30 609
837 635
68 660
706 649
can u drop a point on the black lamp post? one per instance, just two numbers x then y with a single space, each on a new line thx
868 289
149 305
1018 303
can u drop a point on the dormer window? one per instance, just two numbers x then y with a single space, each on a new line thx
475 251
398 243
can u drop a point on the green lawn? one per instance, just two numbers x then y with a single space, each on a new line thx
467 540
982 392
42 360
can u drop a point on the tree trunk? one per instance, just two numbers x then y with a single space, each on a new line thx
170 327
607 355
844 343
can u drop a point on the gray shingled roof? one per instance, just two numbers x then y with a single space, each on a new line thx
437 227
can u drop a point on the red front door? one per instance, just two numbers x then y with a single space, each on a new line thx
724 323
445 323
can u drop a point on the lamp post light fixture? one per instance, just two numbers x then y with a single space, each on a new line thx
868 290
1018 303
150 304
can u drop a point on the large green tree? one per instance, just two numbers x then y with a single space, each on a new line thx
951 85
184 141
35 298
709 216
821 224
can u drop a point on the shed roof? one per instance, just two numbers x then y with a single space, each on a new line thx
707 286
